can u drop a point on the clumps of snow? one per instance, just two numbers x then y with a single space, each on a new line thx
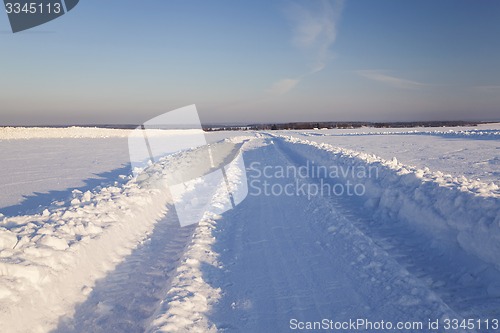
53 242
464 211
8 240
74 132
185 307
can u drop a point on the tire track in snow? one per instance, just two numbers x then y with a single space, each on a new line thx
128 296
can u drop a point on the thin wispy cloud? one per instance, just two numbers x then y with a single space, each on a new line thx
493 89
393 81
283 86
314 29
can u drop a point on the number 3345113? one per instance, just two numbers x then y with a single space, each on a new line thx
33 8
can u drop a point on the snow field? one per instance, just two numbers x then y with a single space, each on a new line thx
474 156
417 244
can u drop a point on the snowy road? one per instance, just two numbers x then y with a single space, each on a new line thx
414 246
286 257
284 260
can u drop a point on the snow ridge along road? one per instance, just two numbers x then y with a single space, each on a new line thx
416 245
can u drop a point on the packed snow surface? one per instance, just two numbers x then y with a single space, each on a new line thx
418 239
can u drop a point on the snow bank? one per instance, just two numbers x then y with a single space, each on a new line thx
449 208
50 261
17 133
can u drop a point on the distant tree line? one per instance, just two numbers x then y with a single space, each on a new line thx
336 125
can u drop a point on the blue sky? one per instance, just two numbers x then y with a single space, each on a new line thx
119 61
